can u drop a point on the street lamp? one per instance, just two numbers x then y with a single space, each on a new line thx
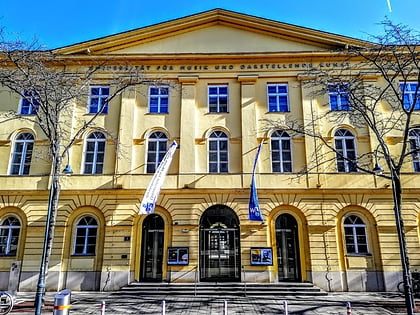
396 196
40 290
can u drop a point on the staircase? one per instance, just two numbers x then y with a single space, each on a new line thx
222 289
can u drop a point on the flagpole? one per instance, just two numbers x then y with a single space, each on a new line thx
254 211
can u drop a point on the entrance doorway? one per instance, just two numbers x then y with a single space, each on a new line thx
288 260
152 248
219 245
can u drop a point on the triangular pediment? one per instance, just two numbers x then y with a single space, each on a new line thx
213 32
218 39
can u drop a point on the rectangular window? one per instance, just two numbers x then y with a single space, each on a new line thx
278 100
159 100
218 98
98 100
218 152
28 104
85 242
411 95
339 96
281 156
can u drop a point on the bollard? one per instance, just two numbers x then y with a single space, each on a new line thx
348 308
225 309
62 303
163 307
285 310
103 308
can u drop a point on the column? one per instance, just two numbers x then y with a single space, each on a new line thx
187 152
249 123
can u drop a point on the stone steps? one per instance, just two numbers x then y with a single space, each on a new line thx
222 288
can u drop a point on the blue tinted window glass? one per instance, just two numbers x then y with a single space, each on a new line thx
223 90
212 90
271 89
282 89
333 102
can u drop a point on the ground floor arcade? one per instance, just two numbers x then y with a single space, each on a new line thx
338 242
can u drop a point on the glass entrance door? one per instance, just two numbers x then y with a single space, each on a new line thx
287 248
152 248
219 245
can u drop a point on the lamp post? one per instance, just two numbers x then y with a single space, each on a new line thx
40 290
405 265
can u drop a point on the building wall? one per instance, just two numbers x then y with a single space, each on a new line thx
318 200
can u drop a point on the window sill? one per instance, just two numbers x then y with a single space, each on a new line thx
359 255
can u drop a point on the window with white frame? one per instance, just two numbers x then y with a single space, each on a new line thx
345 147
218 98
22 154
94 153
278 99
339 96
414 135
411 95
98 99
355 235
28 104
157 146
218 152
159 100
9 236
281 152
85 236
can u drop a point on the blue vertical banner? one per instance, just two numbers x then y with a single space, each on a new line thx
254 206
152 192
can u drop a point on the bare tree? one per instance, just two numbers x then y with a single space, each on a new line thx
51 86
376 90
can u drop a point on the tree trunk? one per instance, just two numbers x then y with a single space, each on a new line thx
397 192
50 223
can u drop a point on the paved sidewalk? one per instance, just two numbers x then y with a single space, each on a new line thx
335 303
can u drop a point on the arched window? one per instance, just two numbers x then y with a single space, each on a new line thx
94 153
414 135
9 236
22 154
355 235
156 149
281 153
345 147
85 236
218 152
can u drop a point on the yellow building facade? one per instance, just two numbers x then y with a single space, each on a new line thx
222 74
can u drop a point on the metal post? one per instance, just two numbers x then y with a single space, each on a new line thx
163 307
244 274
285 308
103 308
348 305
40 289
62 303
225 308
408 293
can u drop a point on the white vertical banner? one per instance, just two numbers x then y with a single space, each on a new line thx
148 203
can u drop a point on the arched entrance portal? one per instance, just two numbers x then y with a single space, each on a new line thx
152 248
287 243
219 245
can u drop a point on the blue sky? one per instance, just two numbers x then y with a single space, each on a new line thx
59 23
